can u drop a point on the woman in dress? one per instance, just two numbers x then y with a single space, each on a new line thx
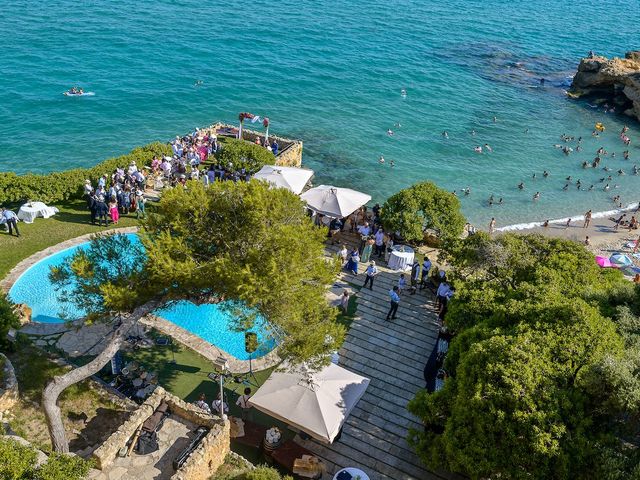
352 264
366 251
113 210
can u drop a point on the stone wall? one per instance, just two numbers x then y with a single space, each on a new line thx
202 463
290 153
209 455
9 394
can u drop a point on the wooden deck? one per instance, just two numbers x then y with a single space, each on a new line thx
393 355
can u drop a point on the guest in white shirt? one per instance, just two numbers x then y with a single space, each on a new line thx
370 272
243 403
202 403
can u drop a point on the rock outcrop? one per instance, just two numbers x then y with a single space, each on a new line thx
616 80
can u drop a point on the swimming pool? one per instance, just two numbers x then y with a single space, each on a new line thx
209 322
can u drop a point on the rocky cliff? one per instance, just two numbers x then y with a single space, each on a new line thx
615 80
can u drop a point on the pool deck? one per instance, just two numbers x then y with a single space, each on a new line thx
77 340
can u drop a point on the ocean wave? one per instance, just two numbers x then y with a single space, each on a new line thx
561 221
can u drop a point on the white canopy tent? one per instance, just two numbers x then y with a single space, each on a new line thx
291 178
334 202
317 403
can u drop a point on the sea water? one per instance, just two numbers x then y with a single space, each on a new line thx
329 73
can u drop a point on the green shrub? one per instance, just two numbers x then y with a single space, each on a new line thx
17 462
8 320
242 154
60 186
63 467
264 473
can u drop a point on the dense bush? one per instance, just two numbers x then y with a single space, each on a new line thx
414 211
241 154
60 186
8 320
263 473
543 375
17 462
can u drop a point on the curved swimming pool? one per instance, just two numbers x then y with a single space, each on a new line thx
209 322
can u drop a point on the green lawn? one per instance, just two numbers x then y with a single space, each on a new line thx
72 221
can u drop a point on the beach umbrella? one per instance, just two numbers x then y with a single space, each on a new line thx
291 178
620 260
630 270
603 262
334 202
318 403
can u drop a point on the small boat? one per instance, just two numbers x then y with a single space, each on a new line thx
69 93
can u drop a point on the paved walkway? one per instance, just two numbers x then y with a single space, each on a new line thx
393 355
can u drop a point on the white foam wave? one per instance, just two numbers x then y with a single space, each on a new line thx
562 221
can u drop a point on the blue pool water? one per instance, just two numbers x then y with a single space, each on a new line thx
330 73
208 322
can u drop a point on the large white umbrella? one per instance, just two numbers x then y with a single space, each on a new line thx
334 201
291 178
317 403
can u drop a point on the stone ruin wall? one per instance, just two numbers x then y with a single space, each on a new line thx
202 463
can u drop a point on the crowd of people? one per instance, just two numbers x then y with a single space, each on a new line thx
376 242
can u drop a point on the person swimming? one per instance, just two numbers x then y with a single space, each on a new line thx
545 174
488 148
466 190
536 196
607 188
635 170
495 119
198 83
534 175
381 159
568 179
477 149
390 132
445 134
591 187
403 92
621 172
392 163
566 187
500 202
521 185
473 132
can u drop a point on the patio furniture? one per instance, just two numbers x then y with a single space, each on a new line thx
253 435
350 473
288 453
401 257
30 211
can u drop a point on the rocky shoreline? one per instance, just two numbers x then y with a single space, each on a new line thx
614 81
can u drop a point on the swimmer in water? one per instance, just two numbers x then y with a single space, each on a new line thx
477 149
454 193
526 130
635 170
521 185
488 148
397 125
533 176
392 163
545 174
445 134
495 119
381 159
606 169
621 172
390 132
591 187
566 187
568 224
466 191
491 199
198 83
607 188
578 184
473 133
403 92
568 179
536 196
500 202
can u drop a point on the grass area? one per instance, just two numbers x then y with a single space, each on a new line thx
89 415
72 221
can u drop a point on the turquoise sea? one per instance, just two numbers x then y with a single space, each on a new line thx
330 73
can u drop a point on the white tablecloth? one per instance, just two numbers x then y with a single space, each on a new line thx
353 472
401 257
30 211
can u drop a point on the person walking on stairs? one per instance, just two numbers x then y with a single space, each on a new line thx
395 301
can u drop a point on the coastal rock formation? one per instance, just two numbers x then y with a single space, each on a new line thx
615 80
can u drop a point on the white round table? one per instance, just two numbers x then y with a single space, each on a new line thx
355 472
30 211
401 257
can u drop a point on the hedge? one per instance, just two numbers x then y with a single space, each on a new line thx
66 185
243 154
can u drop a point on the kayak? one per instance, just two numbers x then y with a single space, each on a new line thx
83 94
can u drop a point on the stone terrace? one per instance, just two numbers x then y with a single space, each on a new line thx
393 355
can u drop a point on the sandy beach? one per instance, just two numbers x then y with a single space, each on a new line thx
604 240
